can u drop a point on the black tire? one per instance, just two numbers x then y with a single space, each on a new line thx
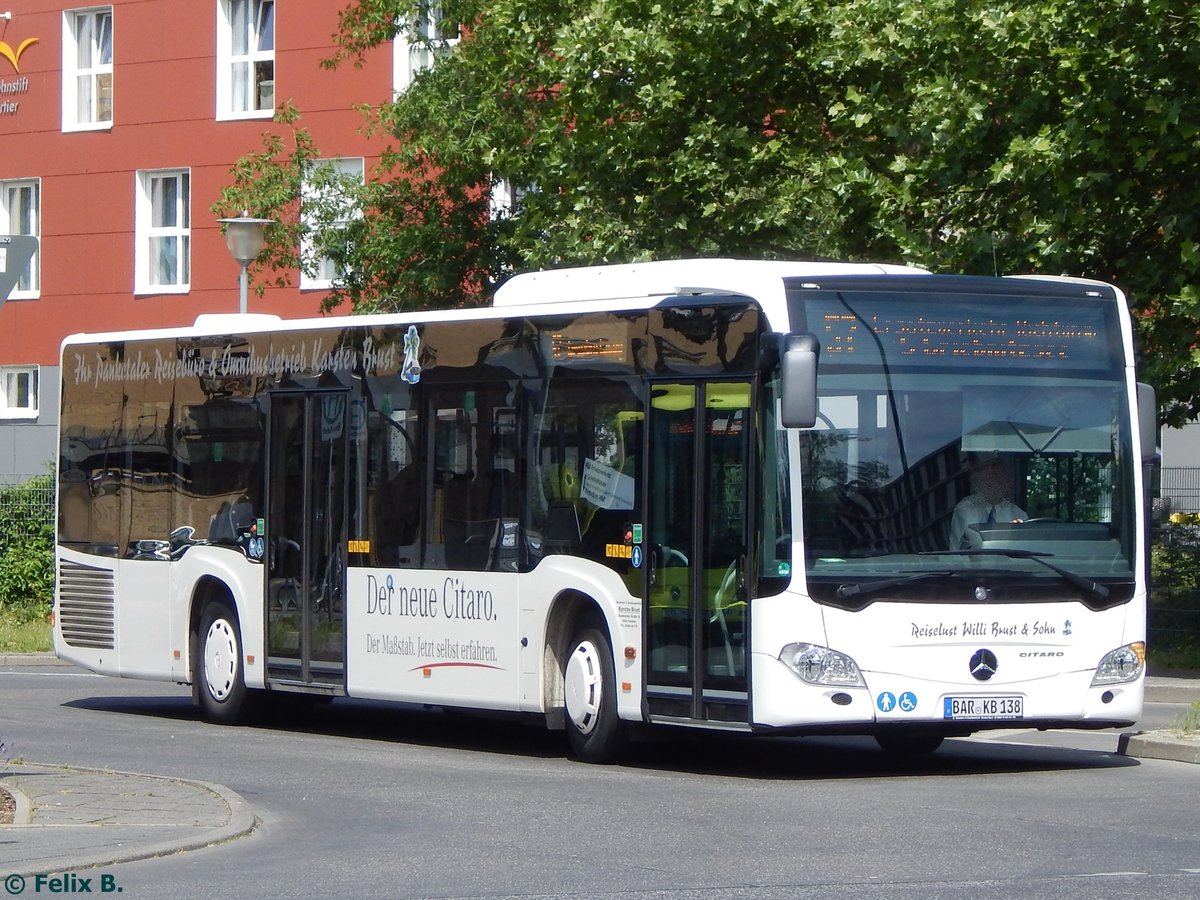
218 670
904 743
596 733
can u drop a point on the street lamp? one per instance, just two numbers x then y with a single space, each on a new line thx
245 237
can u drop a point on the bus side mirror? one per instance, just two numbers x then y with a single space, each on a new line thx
1147 412
798 380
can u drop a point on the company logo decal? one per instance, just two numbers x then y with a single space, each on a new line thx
14 56
983 665
411 370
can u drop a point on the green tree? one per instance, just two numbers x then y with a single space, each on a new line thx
1001 137
1055 136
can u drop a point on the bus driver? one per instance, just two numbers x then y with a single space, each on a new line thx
990 500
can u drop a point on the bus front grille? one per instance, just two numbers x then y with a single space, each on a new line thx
85 605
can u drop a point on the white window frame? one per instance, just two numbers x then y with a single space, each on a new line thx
410 52
17 400
153 225
76 39
506 198
325 275
245 96
24 217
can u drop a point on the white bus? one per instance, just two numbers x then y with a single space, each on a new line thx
716 493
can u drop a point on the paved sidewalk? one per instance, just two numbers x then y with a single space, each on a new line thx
69 819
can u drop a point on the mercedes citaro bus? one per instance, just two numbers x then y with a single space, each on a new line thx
717 493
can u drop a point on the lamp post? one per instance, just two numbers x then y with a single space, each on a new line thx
245 237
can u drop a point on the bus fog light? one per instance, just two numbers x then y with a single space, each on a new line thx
815 664
1121 665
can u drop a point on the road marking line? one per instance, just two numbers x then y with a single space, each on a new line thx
1107 874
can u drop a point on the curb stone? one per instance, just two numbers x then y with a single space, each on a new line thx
23 814
1161 745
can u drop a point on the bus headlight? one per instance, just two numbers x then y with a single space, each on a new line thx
1120 665
815 664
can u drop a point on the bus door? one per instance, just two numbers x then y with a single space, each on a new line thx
699 473
306 537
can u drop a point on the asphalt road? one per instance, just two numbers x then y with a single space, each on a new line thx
366 800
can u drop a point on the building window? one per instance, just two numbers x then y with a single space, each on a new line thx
418 46
245 59
87 69
163 232
18 392
326 206
506 198
21 213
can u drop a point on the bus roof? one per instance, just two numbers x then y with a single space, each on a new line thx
590 288
760 279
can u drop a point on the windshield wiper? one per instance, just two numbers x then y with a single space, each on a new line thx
870 587
1094 589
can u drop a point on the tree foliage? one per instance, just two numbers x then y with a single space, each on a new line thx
1054 136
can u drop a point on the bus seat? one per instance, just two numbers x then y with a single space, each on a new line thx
470 542
230 521
562 528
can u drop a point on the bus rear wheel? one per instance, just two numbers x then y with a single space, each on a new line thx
596 733
222 687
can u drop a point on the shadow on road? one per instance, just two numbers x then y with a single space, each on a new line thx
665 749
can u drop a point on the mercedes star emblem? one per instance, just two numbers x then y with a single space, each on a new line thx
983 665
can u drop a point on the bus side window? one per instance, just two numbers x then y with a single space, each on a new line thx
474 521
583 496
394 489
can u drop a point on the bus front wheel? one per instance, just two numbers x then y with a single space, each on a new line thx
596 732
222 687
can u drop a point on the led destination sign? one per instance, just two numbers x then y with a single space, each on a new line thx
932 331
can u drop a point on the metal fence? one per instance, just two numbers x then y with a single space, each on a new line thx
1182 488
26 502
1169 627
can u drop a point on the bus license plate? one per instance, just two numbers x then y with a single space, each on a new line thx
983 708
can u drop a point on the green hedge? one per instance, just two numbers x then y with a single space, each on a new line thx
27 549
1175 585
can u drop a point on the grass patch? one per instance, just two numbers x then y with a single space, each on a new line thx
1188 723
20 636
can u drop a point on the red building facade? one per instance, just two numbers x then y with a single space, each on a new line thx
119 124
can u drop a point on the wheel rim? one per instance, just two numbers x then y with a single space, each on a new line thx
584 687
220 659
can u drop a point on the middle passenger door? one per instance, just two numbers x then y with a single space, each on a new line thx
697 502
306 537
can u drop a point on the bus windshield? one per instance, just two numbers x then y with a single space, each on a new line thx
978 434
